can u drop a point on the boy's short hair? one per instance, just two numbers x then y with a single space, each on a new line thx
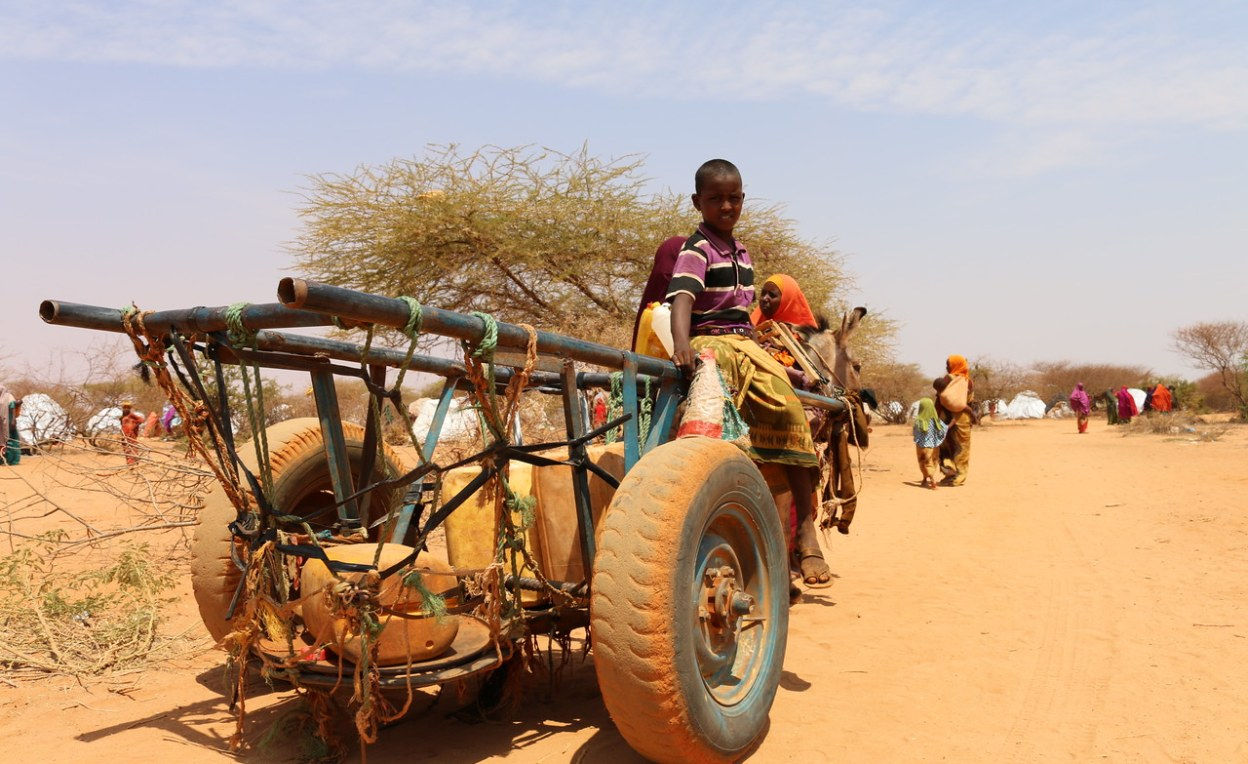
940 383
714 168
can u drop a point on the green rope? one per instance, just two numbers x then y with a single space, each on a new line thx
485 351
615 407
415 316
430 603
615 404
645 409
489 341
511 547
238 333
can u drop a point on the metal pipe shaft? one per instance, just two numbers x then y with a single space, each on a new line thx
105 319
198 319
388 311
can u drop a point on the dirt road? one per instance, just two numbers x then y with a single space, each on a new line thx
1082 598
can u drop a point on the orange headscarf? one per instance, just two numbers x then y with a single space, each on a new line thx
958 367
793 306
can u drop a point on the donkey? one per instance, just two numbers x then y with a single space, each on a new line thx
830 352
830 349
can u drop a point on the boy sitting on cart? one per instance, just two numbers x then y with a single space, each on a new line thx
711 292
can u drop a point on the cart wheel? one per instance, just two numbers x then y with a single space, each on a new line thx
301 485
689 608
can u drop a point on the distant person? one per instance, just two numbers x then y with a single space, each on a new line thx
170 420
151 428
13 439
956 406
929 434
1111 406
1081 405
1126 406
598 415
1162 399
7 418
130 424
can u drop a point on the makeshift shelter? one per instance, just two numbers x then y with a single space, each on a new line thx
461 421
106 421
42 421
1060 410
1025 405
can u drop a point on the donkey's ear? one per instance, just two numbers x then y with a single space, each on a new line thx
850 321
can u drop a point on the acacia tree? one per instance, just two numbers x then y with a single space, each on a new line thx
1220 347
561 241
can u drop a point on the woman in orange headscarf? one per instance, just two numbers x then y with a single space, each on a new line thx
781 299
956 451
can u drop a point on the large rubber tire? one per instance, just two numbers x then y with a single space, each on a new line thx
301 484
678 688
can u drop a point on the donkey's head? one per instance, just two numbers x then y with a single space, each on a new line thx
831 348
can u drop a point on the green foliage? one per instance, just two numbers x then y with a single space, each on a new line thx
80 623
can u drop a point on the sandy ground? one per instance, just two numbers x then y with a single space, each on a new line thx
1081 599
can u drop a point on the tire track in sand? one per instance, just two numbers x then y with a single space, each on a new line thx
1070 676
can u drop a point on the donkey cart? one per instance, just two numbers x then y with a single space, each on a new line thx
311 556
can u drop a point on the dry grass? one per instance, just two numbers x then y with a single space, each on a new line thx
79 596
83 623
1179 425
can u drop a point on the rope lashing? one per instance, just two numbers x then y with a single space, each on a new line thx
489 341
238 333
256 417
414 317
615 407
431 603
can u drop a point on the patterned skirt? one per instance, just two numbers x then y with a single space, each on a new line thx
779 432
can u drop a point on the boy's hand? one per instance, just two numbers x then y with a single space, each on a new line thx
684 357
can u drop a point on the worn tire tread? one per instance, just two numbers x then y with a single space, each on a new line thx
631 625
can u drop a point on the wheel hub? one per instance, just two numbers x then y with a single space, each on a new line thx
722 607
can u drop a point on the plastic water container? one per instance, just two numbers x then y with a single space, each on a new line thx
661 325
654 332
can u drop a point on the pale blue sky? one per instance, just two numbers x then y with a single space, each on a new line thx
1074 174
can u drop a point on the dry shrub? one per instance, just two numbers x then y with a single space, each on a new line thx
1180 425
80 623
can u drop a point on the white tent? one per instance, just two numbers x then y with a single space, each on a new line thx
42 421
461 421
1026 405
105 421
